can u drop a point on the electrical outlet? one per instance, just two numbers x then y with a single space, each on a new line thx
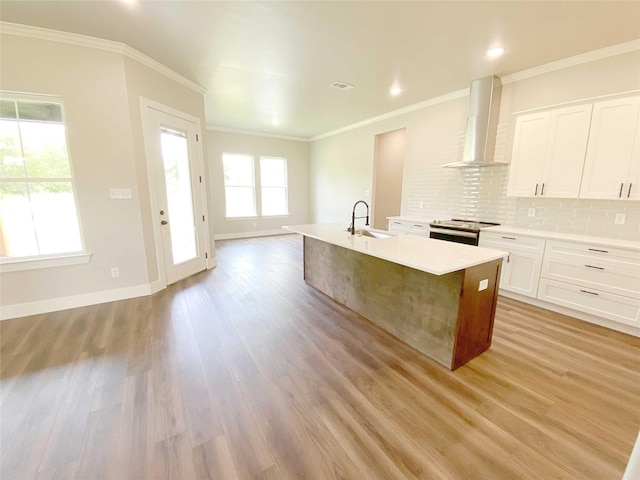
115 272
531 212
620 218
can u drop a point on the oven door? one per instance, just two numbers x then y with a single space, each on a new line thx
457 236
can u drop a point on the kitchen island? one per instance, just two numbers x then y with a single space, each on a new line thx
439 297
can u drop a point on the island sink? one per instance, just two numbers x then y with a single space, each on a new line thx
439 297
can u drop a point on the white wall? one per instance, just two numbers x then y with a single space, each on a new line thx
435 136
100 90
297 155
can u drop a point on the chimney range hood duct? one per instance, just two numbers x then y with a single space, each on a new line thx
482 123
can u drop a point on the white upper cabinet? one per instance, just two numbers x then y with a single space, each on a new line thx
527 160
549 152
612 168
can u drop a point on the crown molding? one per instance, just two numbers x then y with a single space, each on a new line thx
255 133
99 44
612 51
394 113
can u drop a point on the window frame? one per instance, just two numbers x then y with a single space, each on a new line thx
285 187
81 256
253 187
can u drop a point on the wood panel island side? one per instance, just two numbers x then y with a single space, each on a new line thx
439 297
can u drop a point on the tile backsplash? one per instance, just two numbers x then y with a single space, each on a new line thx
480 193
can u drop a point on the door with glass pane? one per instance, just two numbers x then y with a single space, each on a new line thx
179 197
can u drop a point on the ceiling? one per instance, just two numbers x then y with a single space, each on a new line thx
262 62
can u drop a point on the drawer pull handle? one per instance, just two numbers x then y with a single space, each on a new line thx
596 250
421 226
629 192
590 293
620 192
542 191
593 266
509 238
536 192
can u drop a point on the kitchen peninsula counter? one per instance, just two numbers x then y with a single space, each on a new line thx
439 297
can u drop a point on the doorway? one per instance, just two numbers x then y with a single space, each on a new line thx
176 169
387 176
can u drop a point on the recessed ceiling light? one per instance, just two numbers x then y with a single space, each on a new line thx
495 52
395 90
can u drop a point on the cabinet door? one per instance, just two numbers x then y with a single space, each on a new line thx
614 127
632 189
527 159
521 273
566 149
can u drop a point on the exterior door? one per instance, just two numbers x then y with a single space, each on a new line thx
175 164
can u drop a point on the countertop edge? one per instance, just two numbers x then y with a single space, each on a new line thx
497 254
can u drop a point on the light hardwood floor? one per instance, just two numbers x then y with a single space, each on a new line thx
246 372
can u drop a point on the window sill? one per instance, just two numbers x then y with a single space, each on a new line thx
16 265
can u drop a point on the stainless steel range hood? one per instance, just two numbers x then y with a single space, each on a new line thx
482 123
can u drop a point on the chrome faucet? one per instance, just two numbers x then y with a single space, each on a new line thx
352 227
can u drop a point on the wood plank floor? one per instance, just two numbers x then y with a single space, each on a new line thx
245 372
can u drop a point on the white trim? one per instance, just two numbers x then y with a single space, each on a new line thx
612 51
20 264
256 133
262 233
603 322
99 44
581 101
394 113
75 301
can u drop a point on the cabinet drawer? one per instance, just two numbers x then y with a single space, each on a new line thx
619 279
398 226
421 229
604 254
602 304
507 241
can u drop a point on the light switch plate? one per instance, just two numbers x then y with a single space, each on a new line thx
620 218
120 193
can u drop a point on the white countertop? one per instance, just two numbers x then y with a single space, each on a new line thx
428 255
569 237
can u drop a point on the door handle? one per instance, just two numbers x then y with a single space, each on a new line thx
163 222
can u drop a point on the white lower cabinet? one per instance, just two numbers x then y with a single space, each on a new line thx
398 226
595 302
521 270
594 279
409 227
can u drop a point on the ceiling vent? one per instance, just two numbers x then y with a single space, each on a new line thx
342 86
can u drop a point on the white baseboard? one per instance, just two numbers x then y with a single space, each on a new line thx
603 322
74 301
263 233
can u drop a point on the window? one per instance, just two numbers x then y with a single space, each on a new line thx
273 186
239 188
38 215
